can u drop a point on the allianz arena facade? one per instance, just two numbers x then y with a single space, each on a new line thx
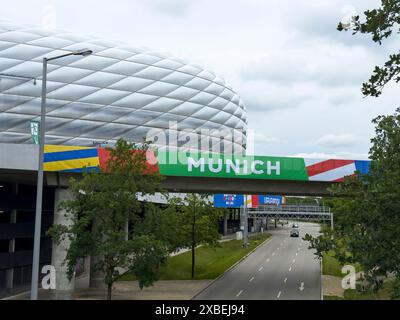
118 91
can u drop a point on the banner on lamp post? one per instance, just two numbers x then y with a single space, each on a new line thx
35 129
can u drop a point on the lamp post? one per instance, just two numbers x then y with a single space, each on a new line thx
39 192
245 223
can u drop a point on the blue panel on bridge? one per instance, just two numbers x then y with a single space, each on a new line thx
270 200
363 166
228 200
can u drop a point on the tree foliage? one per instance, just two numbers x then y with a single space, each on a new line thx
380 23
102 206
198 210
185 223
367 211
198 222
165 225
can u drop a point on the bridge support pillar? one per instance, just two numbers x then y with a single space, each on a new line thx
64 287
225 224
244 226
264 223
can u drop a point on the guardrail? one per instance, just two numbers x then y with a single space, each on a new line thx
289 211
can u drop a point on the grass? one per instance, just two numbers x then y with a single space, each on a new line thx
382 294
332 267
333 298
210 261
349 294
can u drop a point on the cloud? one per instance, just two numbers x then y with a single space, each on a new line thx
336 141
264 95
338 155
170 7
255 140
263 138
326 64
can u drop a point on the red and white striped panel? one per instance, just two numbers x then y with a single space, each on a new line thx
329 170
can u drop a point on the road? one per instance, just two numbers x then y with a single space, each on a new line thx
282 268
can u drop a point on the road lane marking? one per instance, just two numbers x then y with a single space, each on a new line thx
290 269
294 260
260 268
239 293
267 259
279 294
297 253
285 280
277 248
301 288
273 253
251 279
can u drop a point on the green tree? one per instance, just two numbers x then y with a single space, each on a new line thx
198 222
380 23
309 201
164 224
102 206
367 211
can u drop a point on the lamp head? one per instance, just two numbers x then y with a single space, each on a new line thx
83 52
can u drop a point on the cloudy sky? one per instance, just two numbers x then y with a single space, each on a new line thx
299 78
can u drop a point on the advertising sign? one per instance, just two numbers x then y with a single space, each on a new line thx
271 200
211 165
221 166
228 200
251 201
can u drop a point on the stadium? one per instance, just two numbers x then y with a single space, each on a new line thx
117 91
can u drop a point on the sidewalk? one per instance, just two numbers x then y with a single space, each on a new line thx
332 286
129 290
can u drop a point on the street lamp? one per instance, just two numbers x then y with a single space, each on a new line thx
39 192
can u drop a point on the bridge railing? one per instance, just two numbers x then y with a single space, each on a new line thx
291 209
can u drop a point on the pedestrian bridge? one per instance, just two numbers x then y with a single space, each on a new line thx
187 171
289 212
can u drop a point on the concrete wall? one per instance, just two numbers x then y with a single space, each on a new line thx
19 156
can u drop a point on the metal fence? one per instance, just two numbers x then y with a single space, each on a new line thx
289 211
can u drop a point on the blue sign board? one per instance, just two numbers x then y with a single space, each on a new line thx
237 200
270 200
228 200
